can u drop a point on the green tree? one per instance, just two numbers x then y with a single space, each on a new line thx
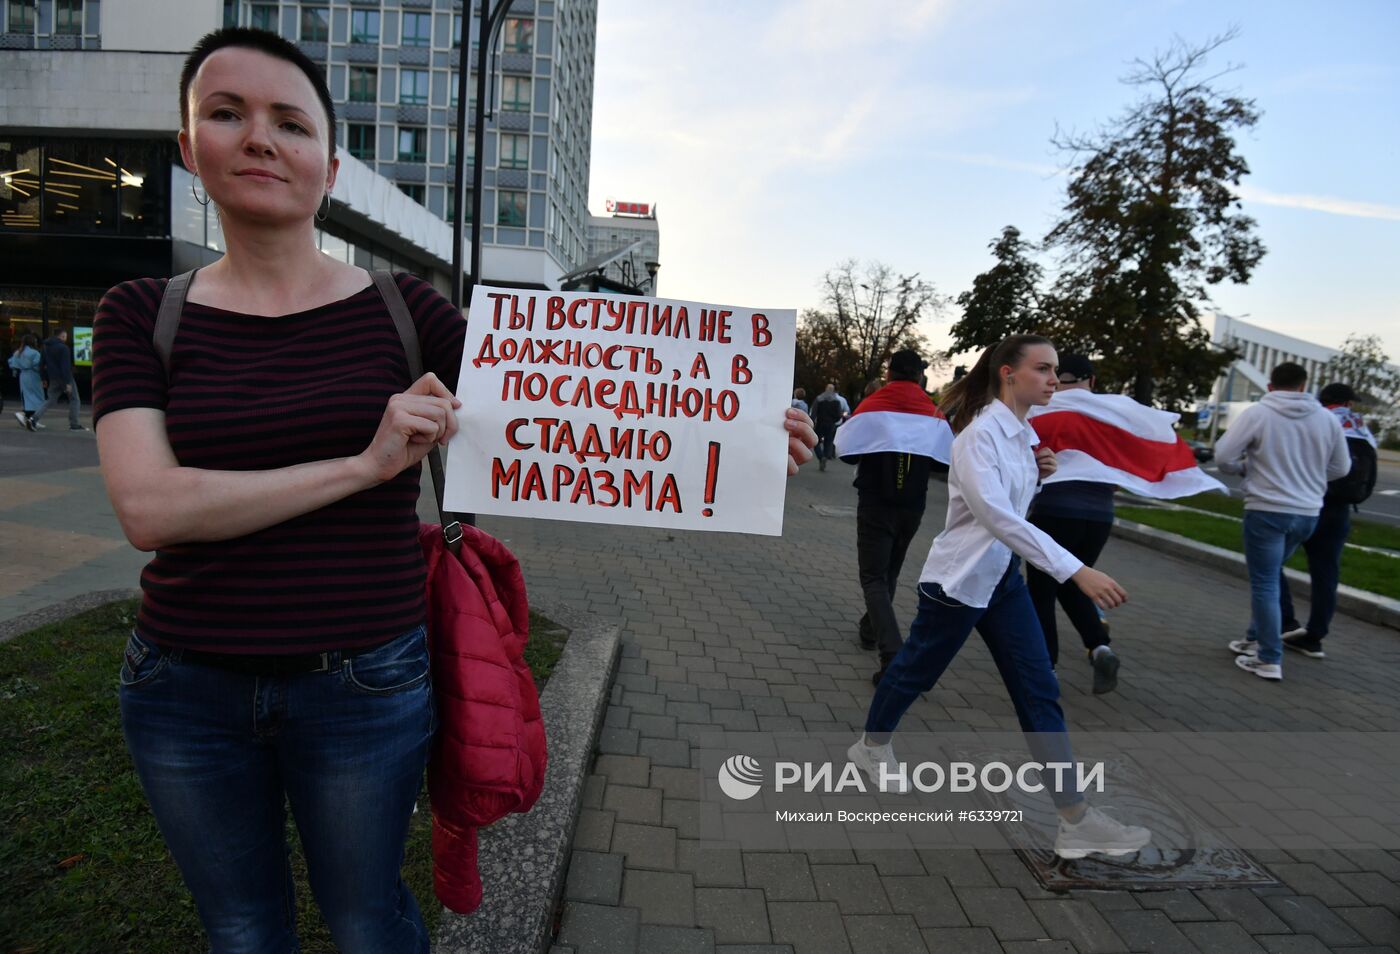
1151 219
1363 364
1004 300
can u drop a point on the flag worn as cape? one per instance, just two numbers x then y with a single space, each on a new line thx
1112 439
899 418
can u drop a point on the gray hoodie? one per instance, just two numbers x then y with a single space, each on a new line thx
1288 446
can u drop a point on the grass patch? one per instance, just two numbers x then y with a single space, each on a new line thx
1374 572
83 865
1364 533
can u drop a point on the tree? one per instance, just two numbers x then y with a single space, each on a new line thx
1363 364
1004 300
867 314
1150 220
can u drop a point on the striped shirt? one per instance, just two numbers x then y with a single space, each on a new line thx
254 393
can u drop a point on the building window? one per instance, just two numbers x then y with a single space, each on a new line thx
315 24
456 31
417 29
453 79
19 16
263 16
452 204
515 151
413 144
519 35
68 17
511 207
413 190
452 147
364 26
413 87
230 13
364 83
361 141
515 94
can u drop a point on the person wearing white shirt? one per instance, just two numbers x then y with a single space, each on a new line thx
972 579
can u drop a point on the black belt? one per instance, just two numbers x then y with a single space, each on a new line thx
266 664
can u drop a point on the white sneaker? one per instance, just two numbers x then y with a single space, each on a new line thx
1263 670
23 422
1096 831
1244 647
869 758
1300 631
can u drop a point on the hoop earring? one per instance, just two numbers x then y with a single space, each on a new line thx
203 201
322 216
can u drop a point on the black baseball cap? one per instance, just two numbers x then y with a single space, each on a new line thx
907 361
1077 365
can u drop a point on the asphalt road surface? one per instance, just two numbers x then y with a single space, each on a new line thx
1382 507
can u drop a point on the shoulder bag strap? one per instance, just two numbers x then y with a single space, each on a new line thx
172 305
408 334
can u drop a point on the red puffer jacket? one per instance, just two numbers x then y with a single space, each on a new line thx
489 755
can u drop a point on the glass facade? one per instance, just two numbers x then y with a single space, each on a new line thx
84 186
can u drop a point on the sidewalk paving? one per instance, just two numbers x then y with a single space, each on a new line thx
752 633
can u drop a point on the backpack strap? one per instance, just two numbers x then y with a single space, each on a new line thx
408 334
172 306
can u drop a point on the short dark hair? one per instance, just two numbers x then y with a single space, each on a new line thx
1288 375
1337 393
263 42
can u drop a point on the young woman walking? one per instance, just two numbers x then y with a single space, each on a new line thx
972 579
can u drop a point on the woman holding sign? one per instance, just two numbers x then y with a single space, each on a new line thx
279 655
972 579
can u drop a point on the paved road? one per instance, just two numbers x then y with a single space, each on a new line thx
724 631
1383 507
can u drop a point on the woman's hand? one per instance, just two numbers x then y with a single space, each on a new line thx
1099 587
1045 461
414 422
801 439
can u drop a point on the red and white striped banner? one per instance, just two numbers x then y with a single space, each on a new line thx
1112 439
899 418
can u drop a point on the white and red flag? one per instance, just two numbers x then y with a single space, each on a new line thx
1112 439
899 418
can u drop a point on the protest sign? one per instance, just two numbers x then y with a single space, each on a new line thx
626 410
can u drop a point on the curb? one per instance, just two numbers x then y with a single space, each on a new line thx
523 858
1360 604
58 612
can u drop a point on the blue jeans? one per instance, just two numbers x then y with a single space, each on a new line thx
219 755
1269 540
1324 550
1011 630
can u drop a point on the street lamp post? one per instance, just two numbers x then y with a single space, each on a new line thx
492 16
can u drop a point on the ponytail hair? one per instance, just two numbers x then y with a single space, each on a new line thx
973 391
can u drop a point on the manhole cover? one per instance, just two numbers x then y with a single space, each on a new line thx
828 511
1185 852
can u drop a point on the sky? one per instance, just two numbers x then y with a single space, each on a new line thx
778 138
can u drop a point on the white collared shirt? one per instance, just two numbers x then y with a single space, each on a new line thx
991 482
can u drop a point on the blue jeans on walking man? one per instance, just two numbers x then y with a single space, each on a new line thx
1011 630
1269 540
220 752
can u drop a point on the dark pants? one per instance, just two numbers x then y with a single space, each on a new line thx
1008 627
1085 539
826 434
883 534
1324 550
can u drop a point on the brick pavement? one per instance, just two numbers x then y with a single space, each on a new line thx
751 633
748 633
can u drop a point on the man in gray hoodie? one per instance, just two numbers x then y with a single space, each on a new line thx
1288 446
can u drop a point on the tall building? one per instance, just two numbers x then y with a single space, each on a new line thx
631 224
392 68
